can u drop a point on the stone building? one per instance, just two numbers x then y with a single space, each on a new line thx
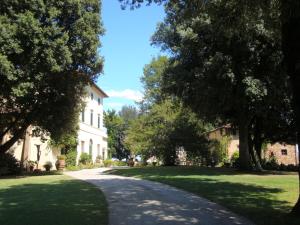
284 153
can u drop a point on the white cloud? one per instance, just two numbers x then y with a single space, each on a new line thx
127 94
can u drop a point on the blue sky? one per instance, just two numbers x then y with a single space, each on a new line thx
126 49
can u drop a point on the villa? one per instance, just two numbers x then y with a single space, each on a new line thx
92 135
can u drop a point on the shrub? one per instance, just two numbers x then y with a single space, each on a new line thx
9 165
119 163
61 157
234 161
71 158
271 164
98 159
48 165
85 158
73 168
107 163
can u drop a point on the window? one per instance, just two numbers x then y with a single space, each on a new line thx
283 151
92 96
99 101
82 115
82 146
91 147
92 112
99 121
98 150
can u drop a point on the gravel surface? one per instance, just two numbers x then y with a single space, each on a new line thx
139 202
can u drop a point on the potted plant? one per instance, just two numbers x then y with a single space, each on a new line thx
61 162
31 165
48 166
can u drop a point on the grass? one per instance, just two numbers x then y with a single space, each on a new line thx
266 198
51 200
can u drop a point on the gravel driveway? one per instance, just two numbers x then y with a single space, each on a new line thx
139 202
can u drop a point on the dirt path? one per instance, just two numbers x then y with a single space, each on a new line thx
139 202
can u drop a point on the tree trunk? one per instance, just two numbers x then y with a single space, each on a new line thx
253 154
8 144
291 51
25 148
244 155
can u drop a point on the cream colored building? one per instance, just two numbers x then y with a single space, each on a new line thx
92 135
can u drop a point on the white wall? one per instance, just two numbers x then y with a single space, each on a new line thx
88 131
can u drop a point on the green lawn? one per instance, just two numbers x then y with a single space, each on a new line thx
51 200
263 198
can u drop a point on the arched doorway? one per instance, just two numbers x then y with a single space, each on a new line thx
91 147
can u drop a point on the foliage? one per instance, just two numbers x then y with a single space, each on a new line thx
71 157
116 125
152 81
235 160
109 163
61 157
85 158
45 44
128 113
8 164
236 61
165 128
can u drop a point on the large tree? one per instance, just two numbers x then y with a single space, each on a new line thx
291 48
225 57
48 54
290 35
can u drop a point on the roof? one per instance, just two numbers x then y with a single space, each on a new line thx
218 128
100 90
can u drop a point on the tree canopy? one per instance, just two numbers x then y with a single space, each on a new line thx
48 54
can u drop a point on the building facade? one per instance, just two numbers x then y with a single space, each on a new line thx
92 135
284 153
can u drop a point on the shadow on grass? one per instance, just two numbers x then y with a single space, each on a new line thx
193 170
58 202
257 203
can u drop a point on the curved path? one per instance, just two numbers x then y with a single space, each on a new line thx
139 202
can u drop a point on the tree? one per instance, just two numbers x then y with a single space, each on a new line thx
152 80
289 15
48 55
225 57
116 133
166 125
128 113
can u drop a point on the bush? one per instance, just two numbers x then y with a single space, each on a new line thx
9 165
271 164
234 161
119 163
85 159
107 163
61 157
71 158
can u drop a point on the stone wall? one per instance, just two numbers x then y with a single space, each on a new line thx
283 153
